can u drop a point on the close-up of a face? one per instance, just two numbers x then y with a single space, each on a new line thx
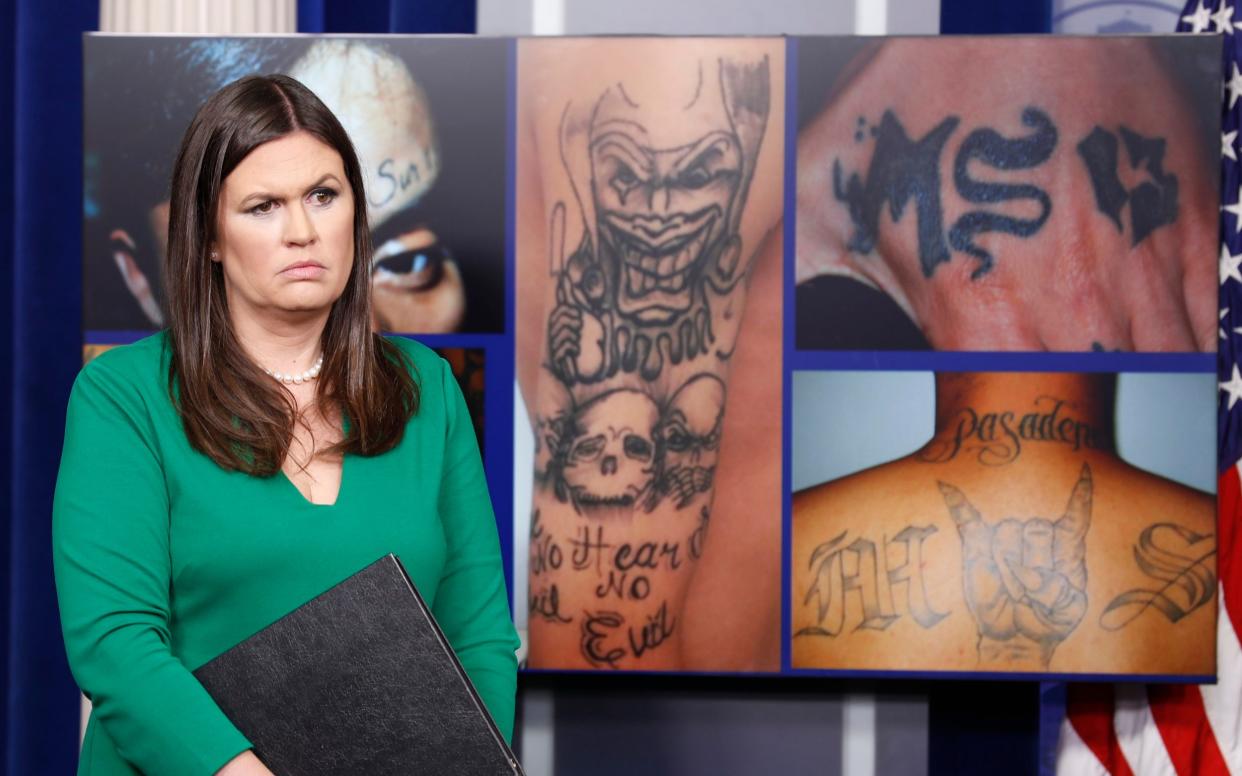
417 286
663 199
428 272
285 229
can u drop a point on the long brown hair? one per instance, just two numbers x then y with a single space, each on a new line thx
230 409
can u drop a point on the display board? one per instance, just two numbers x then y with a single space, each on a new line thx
797 355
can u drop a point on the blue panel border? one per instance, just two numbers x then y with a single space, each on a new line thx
993 361
787 335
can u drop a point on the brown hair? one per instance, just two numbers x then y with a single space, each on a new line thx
232 411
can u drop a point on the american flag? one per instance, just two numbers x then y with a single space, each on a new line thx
1189 729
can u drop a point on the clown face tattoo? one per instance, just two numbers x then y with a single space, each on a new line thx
661 179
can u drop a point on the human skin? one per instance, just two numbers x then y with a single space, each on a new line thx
285 242
1080 275
986 550
671 431
428 298
284 239
388 118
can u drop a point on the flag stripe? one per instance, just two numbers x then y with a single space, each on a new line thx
1090 710
1073 754
1221 700
1228 564
1187 729
1137 735
1183 724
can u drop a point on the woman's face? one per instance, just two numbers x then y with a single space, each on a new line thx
285 230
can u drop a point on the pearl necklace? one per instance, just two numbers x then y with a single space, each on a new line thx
298 379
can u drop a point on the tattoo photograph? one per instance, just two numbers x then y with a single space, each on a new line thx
431 140
654 175
1031 195
1003 522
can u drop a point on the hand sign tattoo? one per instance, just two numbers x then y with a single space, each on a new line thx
1025 581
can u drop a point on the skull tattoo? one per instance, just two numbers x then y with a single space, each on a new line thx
608 457
689 438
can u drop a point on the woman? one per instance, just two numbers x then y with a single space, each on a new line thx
266 446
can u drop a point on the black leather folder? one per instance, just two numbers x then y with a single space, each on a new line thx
359 680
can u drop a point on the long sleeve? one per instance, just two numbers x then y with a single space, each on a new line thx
471 602
110 530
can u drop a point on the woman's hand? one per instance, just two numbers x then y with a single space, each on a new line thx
245 764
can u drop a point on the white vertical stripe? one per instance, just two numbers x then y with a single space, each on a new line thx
1074 757
1137 733
159 15
523 499
287 16
84 714
1223 701
548 17
222 17
870 17
538 733
858 736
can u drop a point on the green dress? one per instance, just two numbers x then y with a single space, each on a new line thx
163 559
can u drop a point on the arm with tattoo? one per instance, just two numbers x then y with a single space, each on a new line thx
648 154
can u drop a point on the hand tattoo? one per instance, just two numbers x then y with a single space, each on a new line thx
1025 581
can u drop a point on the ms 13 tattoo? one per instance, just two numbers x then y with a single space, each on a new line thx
903 170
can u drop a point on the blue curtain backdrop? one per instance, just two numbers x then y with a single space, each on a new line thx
404 16
40 225
995 17
40 233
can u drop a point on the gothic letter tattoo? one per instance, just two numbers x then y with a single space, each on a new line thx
901 170
1179 559
1025 581
839 568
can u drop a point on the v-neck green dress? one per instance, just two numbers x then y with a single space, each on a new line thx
163 560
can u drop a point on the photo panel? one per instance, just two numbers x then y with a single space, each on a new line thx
649 253
427 118
1004 204
1007 194
1007 522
